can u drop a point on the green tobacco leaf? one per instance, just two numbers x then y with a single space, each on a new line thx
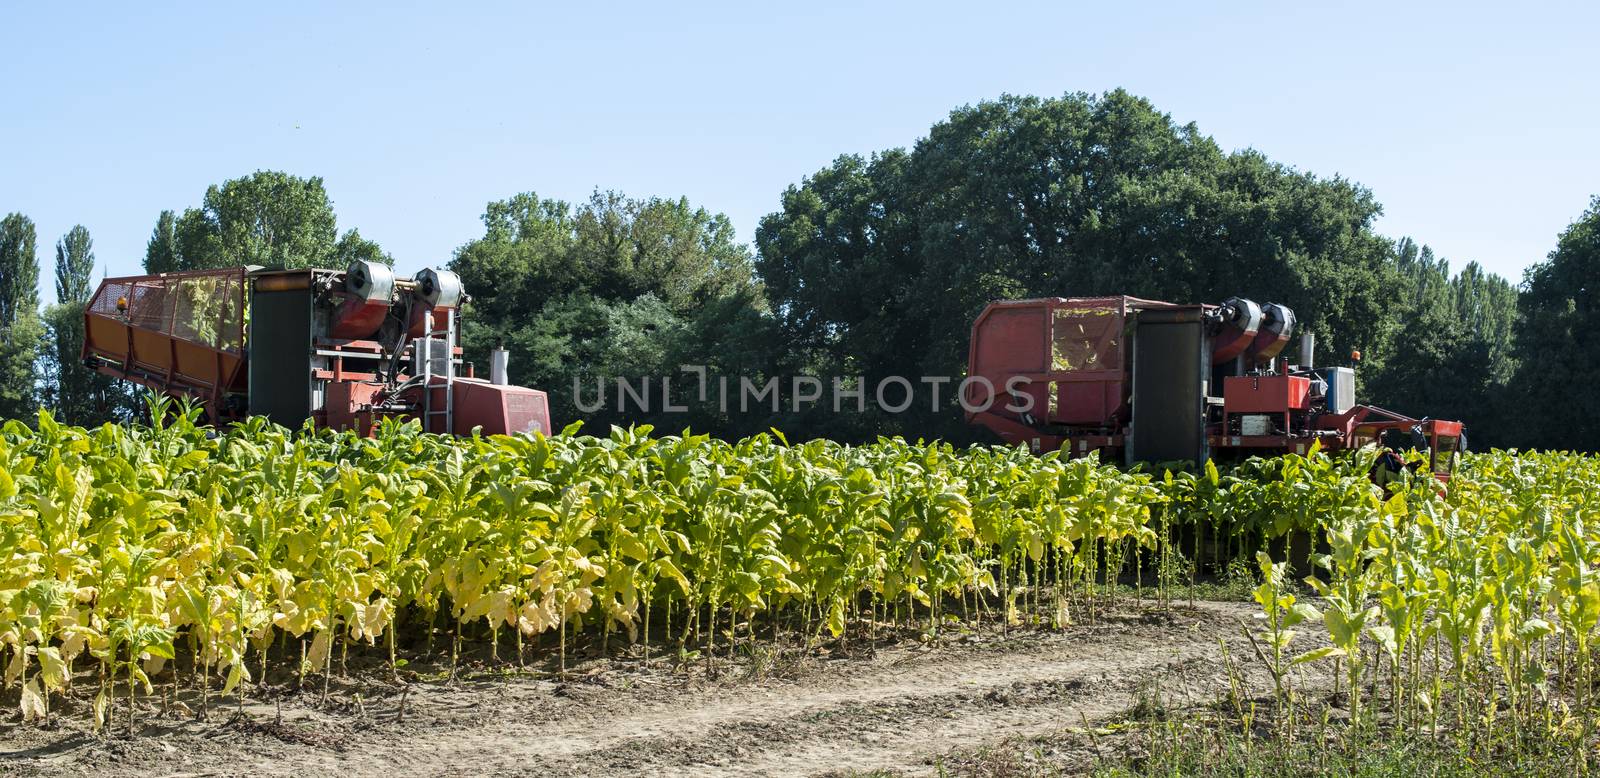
1317 654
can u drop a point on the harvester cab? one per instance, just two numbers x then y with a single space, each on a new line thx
340 348
1148 381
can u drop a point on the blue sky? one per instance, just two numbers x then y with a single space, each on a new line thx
1474 125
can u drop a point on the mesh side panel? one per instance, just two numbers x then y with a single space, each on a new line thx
195 309
230 297
205 309
148 307
105 300
1084 339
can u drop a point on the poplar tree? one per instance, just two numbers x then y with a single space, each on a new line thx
21 332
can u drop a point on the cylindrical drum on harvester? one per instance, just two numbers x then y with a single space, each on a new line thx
1238 320
1277 324
368 289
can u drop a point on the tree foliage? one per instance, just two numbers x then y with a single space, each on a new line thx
876 265
880 264
21 333
73 392
74 266
19 268
161 252
1452 357
267 218
614 288
352 247
1559 342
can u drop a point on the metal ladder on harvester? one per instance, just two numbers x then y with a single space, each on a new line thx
426 343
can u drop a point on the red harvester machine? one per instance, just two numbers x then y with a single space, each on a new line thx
1139 380
340 348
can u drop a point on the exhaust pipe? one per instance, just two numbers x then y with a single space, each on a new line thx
1308 344
498 358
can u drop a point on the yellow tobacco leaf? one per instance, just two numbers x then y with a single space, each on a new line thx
153 665
53 670
320 646
500 610
18 663
33 705
375 616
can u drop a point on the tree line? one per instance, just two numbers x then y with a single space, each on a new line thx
876 265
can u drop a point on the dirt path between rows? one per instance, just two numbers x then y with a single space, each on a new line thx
899 711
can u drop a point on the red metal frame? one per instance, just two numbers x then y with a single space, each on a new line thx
1278 396
351 393
1019 338
1090 408
156 331
133 330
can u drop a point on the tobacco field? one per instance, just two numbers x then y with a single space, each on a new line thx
141 560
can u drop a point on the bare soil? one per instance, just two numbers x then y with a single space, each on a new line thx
907 705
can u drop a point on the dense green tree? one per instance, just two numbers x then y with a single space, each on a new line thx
879 265
1559 342
615 288
1453 356
74 266
1486 305
611 247
73 392
272 219
21 333
199 242
19 267
352 247
161 252
267 218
